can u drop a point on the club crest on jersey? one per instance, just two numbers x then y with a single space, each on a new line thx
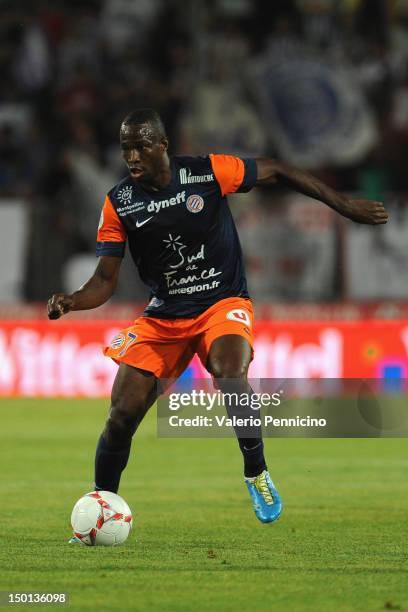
125 194
195 203
239 315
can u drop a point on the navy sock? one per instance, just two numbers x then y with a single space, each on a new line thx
253 452
109 465
252 448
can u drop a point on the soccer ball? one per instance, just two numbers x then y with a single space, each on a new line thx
101 518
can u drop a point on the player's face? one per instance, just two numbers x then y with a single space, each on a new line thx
143 150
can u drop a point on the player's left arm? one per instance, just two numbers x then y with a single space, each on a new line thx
271 172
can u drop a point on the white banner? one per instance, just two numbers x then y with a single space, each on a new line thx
377 257
289 248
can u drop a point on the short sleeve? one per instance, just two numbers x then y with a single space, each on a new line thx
233 174
111 237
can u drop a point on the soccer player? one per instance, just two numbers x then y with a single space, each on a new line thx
173 213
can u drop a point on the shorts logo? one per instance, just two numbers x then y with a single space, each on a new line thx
241 316
118 341
195 203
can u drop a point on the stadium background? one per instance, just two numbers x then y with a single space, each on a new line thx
320 84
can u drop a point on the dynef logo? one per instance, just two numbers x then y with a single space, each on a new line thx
155 207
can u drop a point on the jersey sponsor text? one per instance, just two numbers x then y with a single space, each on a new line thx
157 206
186 177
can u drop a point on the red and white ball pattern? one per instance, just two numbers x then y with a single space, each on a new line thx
101 518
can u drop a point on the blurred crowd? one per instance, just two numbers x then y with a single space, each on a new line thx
320 83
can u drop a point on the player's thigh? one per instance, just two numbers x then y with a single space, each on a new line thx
134 390
229 356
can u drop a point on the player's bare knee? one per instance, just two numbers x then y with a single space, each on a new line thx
228 369
125 402
124 417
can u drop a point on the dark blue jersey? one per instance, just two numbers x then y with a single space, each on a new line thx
182 238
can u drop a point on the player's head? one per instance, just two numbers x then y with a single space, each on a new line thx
143 143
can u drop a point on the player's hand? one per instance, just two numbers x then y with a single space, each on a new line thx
367 211
59 304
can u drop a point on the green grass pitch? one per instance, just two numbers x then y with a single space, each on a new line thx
196 544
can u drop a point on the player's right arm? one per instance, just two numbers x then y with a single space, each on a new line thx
95 292
110 248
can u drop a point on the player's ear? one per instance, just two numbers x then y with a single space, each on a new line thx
164 144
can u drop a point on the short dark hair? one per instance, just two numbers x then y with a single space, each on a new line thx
146 115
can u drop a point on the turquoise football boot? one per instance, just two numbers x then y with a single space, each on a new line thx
266 500
75 540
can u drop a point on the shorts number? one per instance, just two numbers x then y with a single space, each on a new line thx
131 339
